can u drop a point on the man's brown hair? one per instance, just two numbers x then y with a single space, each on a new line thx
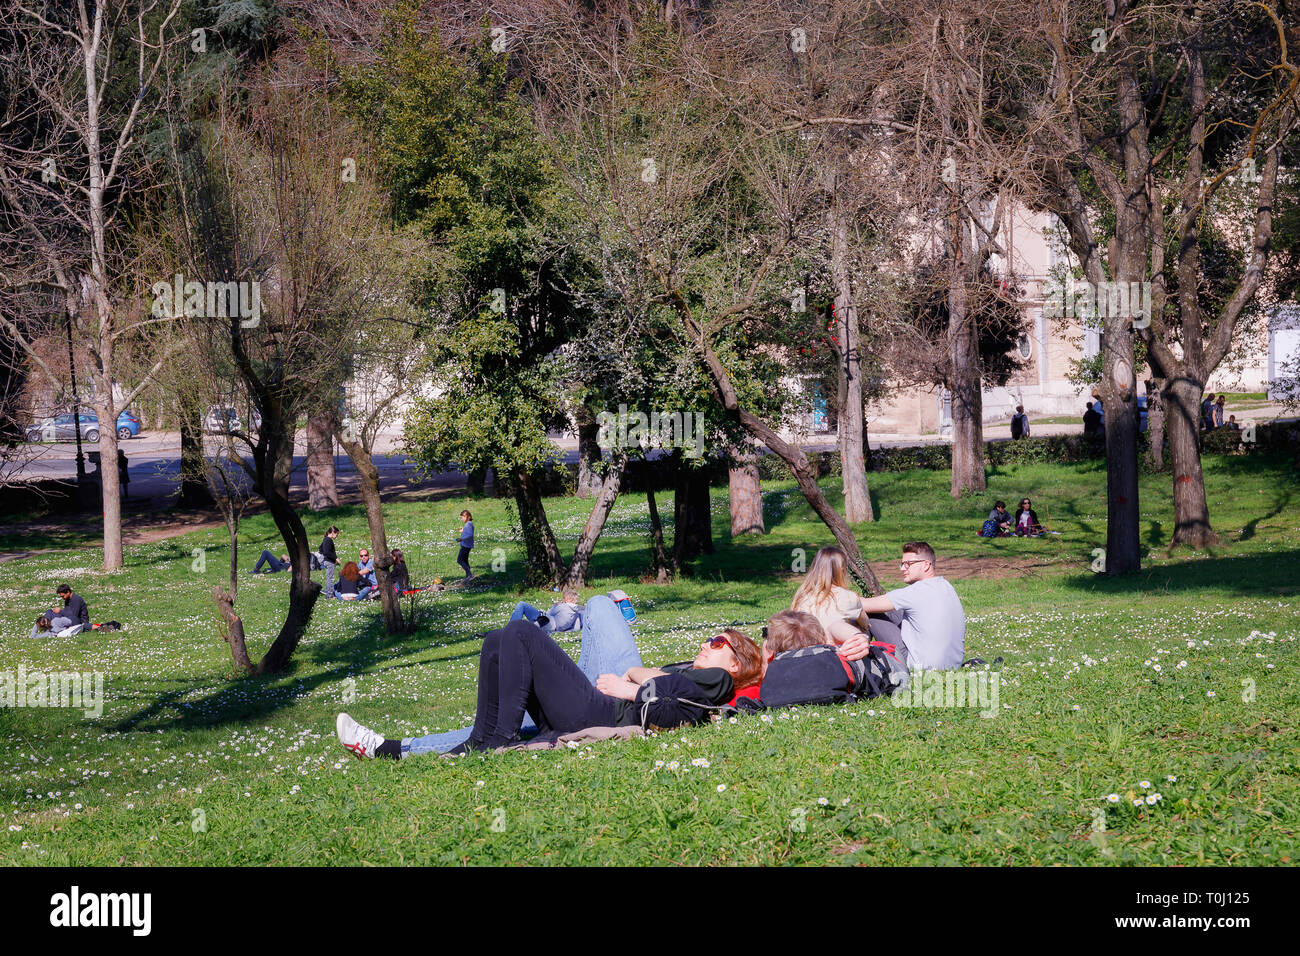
791 630
920 549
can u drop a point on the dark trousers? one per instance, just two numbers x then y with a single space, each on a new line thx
463 560
888 627
271 561
522 669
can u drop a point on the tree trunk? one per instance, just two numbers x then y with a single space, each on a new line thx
967 398
1155 425
745 493
234 633
692 520
273 468
662 565
596 522
1118 387
849 413
545 565
589 482
322 488
195 492
368 482
232 525
1191 511
474 482
792 455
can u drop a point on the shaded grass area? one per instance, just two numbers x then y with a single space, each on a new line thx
1188 670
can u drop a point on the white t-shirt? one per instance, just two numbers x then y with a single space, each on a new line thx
934 623
838 617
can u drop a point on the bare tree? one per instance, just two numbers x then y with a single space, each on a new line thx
69 163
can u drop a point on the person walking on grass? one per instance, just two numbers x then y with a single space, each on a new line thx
466 542
1019 424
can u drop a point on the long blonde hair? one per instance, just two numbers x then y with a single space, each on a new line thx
827 572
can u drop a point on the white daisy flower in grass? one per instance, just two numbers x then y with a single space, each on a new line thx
822 801
1137 802
1144 784
1076 707
1112 797
1209 693
721 787
1171 778
1153 799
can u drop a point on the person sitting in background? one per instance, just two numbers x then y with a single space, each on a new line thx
998 524
272 563
825 595
1019 424
1232 422
350 586
564 615
366 568
74 608
398 574
1026 520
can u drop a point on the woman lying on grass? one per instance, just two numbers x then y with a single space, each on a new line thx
522 668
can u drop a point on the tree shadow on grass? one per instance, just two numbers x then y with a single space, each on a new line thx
1255 575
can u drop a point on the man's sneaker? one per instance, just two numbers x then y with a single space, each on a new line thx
362 741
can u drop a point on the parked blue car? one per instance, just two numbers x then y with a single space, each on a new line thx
60 427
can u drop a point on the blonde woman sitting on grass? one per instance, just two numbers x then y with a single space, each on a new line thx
826 596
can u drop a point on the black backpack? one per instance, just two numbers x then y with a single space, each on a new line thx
819 675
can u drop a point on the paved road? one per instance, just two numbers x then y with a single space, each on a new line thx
154 462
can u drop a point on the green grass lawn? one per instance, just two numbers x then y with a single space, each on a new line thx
1183 677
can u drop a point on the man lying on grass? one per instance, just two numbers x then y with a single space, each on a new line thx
523 668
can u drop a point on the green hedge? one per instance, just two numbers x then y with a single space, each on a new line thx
1056 449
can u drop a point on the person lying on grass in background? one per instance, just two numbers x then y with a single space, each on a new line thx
273 564
522 666
564 615
825 594
48 626
1026 520
924 621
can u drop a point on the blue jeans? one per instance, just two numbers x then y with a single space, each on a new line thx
271 561
608 647
525 612
329 577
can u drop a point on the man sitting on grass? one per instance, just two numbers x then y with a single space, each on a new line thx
924 621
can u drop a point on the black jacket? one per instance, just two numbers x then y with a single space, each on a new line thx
398 575
327 550
76 610
680 698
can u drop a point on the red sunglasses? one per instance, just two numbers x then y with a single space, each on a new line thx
720 641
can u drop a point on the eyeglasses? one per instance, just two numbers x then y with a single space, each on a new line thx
720 641
904 564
